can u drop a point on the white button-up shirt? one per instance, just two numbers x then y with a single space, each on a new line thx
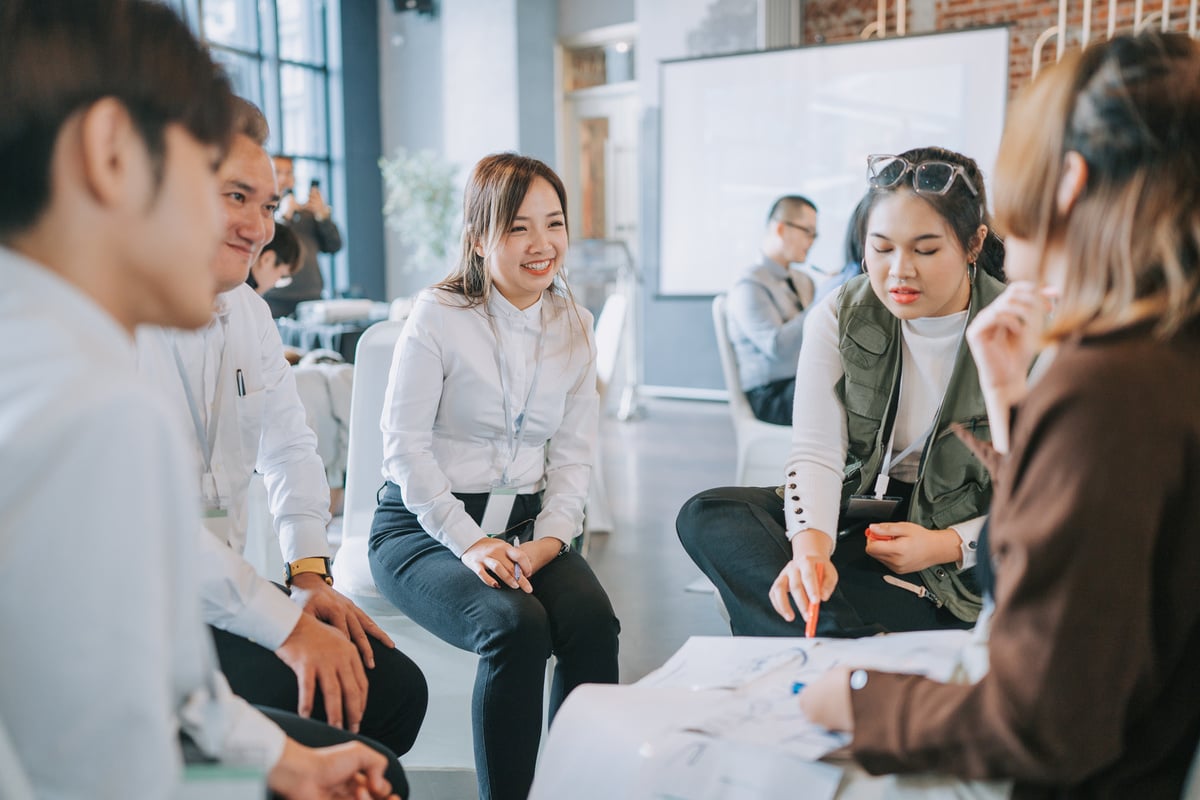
260 425
443 421
104 654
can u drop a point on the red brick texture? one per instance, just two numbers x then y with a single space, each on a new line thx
844 20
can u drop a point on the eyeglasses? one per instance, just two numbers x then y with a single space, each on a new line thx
812 234
929 177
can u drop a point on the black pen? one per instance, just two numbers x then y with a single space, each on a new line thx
241 384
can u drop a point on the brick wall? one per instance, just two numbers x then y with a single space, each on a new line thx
844 20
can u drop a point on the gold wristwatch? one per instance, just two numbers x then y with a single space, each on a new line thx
317 564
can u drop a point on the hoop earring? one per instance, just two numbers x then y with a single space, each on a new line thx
864 265
972 270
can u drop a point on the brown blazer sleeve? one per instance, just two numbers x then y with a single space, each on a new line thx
1090 487
986 452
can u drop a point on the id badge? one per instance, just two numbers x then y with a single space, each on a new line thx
215 519
498 509
868 508
210 496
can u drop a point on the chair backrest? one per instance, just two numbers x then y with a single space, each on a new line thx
610 325
738 403
372 368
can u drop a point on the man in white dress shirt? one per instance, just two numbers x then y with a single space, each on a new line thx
112 122
235 394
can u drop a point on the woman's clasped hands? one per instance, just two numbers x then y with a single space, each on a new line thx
494 560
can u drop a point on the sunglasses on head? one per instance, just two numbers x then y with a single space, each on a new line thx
929 177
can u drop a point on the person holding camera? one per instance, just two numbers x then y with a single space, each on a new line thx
312 222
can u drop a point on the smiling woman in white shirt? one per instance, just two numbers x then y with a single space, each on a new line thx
489 429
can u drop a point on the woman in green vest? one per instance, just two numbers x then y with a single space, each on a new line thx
880 498
1094 644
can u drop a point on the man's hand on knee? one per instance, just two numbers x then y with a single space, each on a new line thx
322 655
330 606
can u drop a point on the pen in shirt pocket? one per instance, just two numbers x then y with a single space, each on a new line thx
241 384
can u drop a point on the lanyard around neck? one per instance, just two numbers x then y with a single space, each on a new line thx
514 427
882 481
206 436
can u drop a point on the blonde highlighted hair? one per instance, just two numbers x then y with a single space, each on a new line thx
1130 107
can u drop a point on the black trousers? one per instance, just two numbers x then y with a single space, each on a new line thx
736 535
772 402
311 733
397 694
568 614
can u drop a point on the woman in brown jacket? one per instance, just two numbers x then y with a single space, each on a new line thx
1095 528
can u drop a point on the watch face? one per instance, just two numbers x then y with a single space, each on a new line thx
858 679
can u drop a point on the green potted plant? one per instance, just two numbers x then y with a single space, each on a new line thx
422 206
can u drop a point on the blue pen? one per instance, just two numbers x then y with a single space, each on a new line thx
516 542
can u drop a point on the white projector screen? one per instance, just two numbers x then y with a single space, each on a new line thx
739 131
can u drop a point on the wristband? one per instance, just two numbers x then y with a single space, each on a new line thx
316 564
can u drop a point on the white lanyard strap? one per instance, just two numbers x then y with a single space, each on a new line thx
881 482
515 427
206 436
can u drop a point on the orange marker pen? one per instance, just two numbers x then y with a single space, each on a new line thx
878 537
814 605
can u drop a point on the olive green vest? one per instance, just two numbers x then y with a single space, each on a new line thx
952 485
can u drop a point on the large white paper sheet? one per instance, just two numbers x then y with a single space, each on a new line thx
710 662
720 720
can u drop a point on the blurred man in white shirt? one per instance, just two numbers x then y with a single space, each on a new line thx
112 124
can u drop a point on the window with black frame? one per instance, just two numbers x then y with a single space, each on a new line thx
278 55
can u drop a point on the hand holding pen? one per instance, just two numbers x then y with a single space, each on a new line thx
814 605
800 584
497 562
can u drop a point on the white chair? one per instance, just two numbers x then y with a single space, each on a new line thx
364 460
445 739
610 326
14 783
762 448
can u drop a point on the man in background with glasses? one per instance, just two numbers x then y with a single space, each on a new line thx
766 310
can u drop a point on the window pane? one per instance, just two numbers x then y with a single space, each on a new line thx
243 74
302 30
266 24
302 107
232 22
307 171
270 105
